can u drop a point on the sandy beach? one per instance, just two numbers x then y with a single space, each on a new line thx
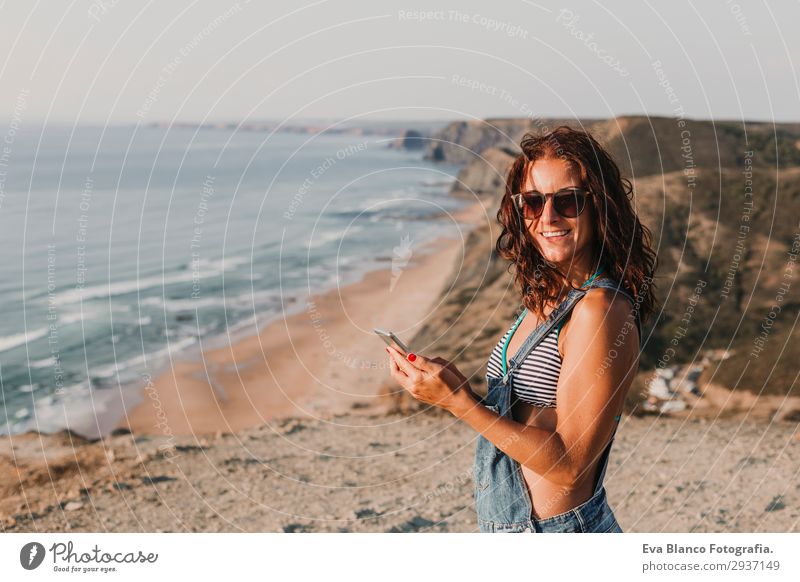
323 360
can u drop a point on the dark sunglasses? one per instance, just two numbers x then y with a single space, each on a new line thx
568 202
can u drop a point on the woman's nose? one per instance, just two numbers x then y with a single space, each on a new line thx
549 213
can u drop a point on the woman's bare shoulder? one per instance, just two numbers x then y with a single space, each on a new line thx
603 299
602 307
599 305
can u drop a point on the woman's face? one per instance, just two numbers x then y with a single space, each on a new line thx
573 249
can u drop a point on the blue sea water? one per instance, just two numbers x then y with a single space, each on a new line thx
124 247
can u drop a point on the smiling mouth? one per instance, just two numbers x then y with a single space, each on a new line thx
557 235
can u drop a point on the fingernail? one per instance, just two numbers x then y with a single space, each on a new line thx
412 357
388 351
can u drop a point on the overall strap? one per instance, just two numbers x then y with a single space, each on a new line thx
604 460
556 317
541 331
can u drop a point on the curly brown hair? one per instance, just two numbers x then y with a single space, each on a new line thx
623 245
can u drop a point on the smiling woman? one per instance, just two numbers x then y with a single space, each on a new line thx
569 227
584 267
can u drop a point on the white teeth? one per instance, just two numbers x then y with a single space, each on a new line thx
555 233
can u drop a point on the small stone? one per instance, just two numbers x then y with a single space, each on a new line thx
73 505
152 480
776 504
789 412
291 426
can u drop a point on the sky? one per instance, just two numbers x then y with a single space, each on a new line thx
120 61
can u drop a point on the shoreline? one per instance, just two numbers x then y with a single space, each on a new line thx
319 359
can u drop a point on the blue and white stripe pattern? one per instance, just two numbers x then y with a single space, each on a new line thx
536 378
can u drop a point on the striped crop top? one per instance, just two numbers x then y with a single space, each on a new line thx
536 378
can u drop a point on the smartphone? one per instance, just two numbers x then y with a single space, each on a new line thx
392 340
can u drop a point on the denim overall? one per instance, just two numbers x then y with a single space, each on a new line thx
502 501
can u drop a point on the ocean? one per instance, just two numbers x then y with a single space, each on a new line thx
125 246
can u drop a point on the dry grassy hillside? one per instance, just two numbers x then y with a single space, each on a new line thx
707 237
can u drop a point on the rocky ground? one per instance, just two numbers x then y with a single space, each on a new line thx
371 473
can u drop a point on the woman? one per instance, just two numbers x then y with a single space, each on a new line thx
584 265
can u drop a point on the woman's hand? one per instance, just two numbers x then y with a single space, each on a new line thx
430 380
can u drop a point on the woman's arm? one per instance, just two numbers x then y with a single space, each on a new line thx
600 354
539 449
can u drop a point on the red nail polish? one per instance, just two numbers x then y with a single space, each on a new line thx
412 357
387 351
